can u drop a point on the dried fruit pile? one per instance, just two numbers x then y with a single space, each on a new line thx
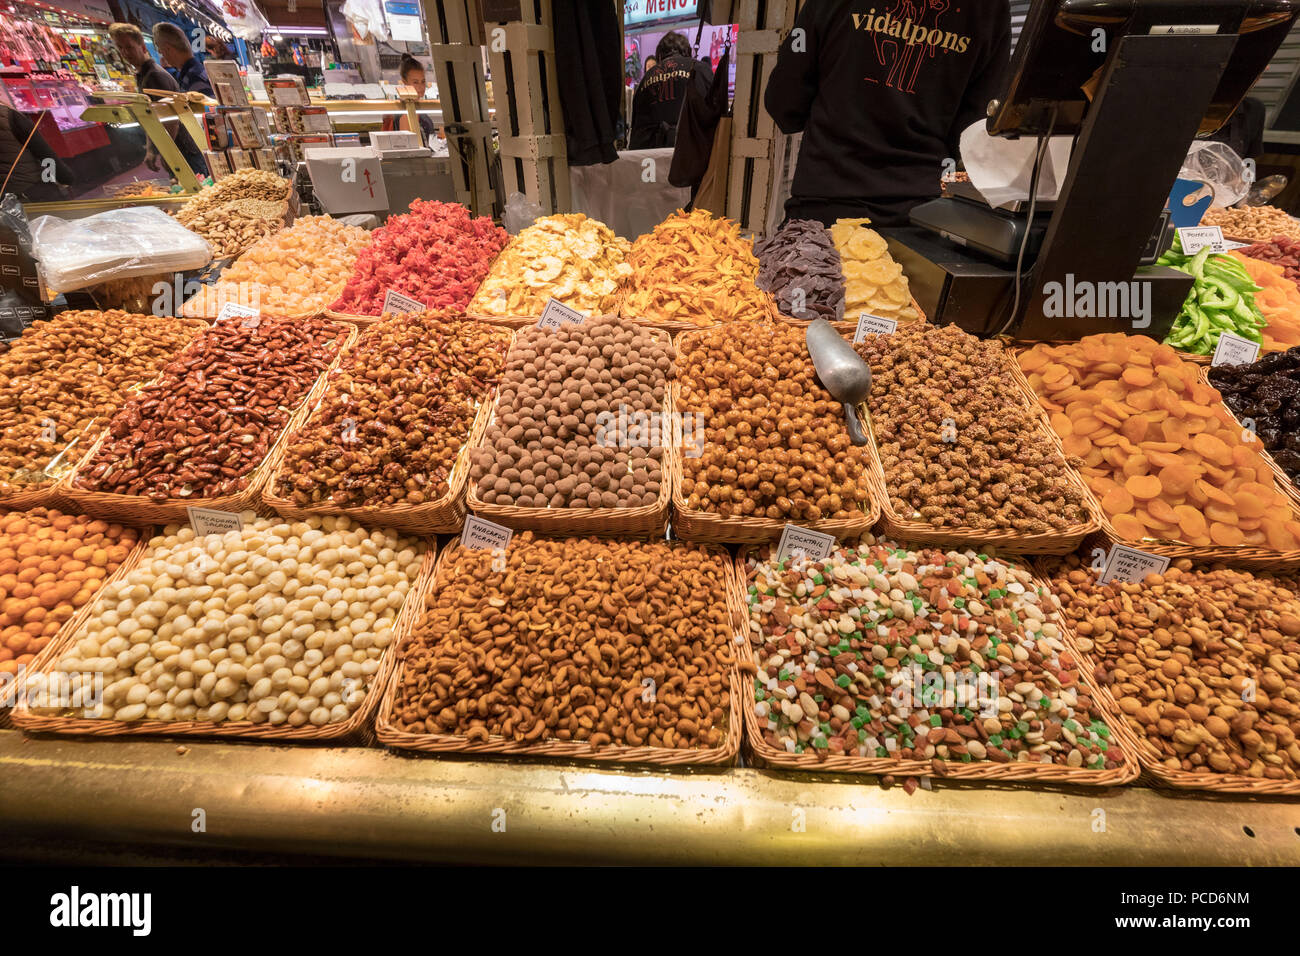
799 265
695 268
935 655
1158 448
1267 394
960 448
607 642
1279 251
577 261
1278 301
875 283
1204 664
435 254
396 415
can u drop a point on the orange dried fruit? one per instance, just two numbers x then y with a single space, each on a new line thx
1143 399
1136 465
1076 446
1220 513
1128 526
1062 426
1143 487
1225 535
1162 511
1279 538
1214 494
1086 425
1137 377
1117 501
1161 459
1212 448
1135 427
1190 520
1176 479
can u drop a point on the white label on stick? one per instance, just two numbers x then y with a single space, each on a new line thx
868 323
1230 244
1234 350
557 314
1129 564
1196 238
252 318
206 521
803 544
480 533
399 304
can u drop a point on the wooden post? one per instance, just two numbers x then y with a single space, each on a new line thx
455 46
526 94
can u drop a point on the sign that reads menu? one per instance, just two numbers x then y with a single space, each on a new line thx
1131 565
797 542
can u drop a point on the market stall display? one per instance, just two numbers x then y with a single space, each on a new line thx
874 282
1278 301
888 660
1222 299
237 211
206 431
1166 465
694 270
1252 223
1266 395
389 443
582 437
276 629
767 444
577 261
964 457
51 565
298 271
1201 664
801 267
436 254
63 380
1280 251
550 649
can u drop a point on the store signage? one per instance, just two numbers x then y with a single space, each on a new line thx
480 534
645 11
206 521
804 544
1234 350
1196 238
398 304
1131 565
873 323
557 314
403 20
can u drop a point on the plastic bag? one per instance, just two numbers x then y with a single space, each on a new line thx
519 214
118 244
1219 167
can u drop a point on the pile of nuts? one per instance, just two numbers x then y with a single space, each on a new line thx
608 642
1204 664
935 655
64 379
237 211
1255 223
959 446
51 564
396 415
213 415
276 623
244 184
775 444
296 270
579 421
230 231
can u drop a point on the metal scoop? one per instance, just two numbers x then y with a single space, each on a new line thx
842 372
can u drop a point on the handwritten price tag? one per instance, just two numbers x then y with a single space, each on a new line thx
868 323
1234 350
1196 238
1129 564
557 314
206 521
398 304
797 542
480 533
251 318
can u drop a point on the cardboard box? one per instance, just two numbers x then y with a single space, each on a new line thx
347 179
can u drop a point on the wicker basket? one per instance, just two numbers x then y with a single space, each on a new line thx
137 510
704 526
1255 558
1283 479
407 617
1147 754
988 771
722 755
643 519
1051 542
443 516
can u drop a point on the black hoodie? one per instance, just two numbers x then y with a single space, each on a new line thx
881 91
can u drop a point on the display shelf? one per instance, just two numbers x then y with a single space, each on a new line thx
367 803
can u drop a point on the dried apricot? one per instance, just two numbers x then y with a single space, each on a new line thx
1212 448
1128 526
1143 487
1117 501
1137 377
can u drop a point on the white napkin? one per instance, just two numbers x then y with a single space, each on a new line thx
1001 168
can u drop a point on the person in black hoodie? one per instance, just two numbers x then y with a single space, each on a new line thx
657 102
881 92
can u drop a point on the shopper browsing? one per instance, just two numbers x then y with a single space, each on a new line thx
148 74
881 92
174 47
657 102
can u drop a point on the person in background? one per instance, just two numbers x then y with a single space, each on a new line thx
130 44
411 71
657 102
217 49
24 157
174 47
650 63
881 98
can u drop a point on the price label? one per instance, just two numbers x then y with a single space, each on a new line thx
206 521
480 533
1230 244
1129 564
250 318
1196 238
557 314
797 542
868 323
399 304
1234 350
